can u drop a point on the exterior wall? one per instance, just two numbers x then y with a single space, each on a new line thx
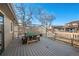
8 24
15 31
27 29
20 30
8 33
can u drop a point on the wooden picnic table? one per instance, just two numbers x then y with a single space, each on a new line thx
31 37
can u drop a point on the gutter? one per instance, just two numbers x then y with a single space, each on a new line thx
13 12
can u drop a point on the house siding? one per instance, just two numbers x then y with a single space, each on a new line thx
8 24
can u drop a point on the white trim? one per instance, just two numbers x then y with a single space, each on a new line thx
2 13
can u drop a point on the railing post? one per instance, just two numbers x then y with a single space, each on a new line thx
72 42
72 39
54 36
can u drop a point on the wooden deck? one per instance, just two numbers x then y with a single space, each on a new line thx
44 47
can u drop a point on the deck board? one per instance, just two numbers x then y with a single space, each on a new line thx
45 47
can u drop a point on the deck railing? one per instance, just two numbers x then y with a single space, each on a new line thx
72 38
68 35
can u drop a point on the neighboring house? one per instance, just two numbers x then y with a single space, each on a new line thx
16 31
68 27
7 24
58 28
21 30
72 26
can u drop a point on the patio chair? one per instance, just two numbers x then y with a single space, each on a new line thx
40 35
34 37
24 40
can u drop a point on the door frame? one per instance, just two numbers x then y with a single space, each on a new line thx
2 35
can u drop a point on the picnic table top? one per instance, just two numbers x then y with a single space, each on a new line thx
31 33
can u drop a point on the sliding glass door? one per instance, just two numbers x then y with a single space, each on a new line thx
1 33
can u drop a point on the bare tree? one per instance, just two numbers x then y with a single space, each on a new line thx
23 15
45 18
42 15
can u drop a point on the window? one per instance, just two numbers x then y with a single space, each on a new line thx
11 27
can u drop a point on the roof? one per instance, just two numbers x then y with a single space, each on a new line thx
77 21
59 27
13 12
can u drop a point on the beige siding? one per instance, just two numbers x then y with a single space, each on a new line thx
8 24
8 34
15 31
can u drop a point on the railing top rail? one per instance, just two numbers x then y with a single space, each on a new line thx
67 33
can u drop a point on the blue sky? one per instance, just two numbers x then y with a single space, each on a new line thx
64 12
